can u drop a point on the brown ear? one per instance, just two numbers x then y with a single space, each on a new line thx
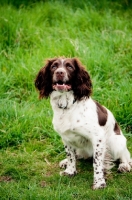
82 86
43 81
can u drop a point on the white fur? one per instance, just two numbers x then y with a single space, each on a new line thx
83 137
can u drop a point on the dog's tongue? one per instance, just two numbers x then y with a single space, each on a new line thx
63 87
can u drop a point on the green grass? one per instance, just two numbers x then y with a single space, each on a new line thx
100 34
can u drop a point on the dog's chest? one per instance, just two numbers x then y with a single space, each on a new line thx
73 120
74 124
70 128
66 120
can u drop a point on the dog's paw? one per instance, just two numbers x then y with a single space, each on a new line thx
124 167
99 185
68 173
63 164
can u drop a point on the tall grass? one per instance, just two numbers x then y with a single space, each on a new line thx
100 34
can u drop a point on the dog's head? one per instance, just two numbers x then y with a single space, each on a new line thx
64 74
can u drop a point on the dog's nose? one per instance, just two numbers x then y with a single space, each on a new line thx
60 73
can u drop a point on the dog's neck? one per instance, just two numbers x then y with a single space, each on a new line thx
62 100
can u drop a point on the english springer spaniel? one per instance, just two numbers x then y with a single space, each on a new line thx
87 128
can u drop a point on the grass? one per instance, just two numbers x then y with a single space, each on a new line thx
99 33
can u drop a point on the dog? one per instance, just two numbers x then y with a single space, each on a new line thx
87 128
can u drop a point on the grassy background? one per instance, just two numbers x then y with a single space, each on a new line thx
100 34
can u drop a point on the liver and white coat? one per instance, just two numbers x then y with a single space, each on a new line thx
87 128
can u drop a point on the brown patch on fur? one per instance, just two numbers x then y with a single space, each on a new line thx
82 84
43 81
102 114
117 129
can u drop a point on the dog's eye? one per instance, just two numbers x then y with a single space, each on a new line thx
69 66
53 67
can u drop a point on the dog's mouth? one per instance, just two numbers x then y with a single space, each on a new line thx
61 86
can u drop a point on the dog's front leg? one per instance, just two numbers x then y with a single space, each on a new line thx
98 160
70 162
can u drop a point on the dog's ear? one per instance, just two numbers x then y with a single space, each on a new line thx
82 85
43 81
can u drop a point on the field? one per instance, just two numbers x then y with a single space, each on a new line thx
100 34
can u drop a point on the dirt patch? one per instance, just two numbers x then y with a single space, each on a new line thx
43 184
6 179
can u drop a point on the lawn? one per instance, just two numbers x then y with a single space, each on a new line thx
100 34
